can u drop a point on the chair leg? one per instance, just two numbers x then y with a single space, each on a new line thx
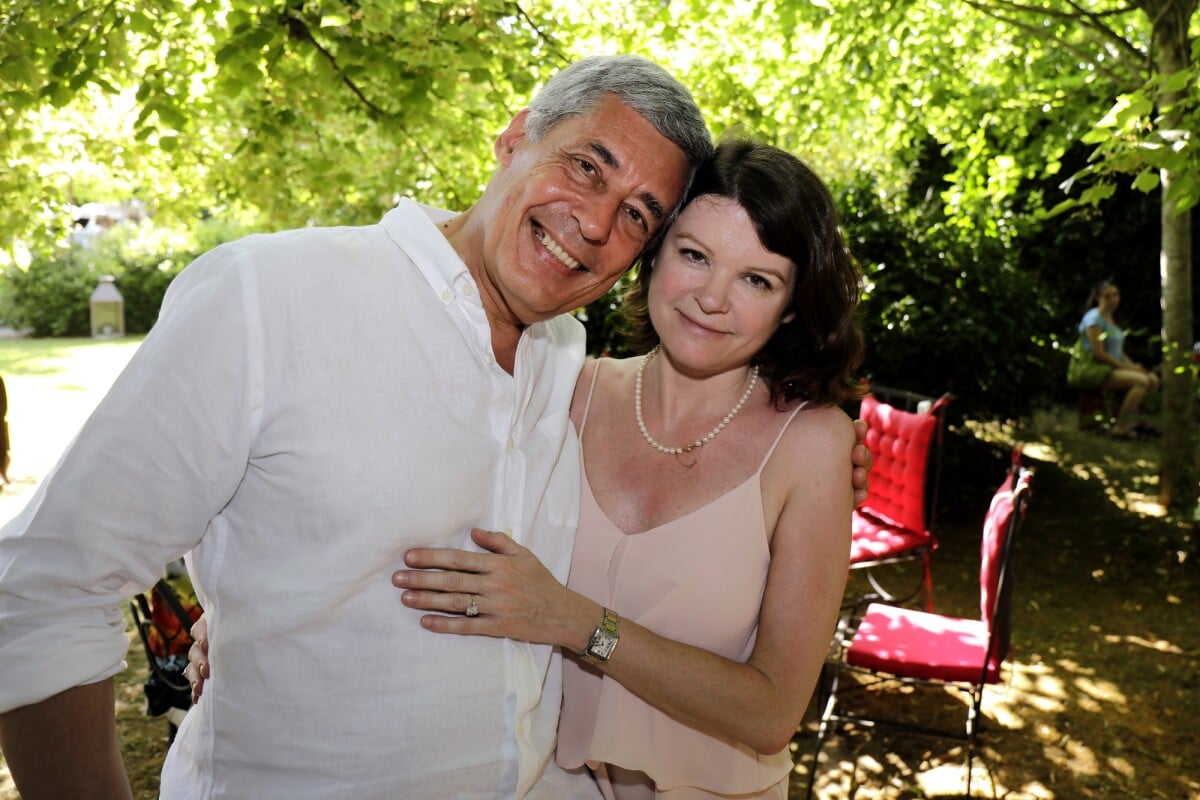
973 715
823 727
816 756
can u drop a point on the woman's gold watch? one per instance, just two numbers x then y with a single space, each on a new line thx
604 639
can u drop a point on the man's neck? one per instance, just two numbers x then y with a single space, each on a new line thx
505 335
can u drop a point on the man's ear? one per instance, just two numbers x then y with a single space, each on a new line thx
506 142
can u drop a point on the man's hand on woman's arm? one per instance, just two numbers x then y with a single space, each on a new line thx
860 460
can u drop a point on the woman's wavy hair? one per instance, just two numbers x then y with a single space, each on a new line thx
814 356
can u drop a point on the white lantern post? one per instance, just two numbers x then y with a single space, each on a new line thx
108 310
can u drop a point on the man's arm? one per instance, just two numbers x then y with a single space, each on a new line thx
66 746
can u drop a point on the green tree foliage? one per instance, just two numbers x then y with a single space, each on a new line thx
1007 88
951 126
303 111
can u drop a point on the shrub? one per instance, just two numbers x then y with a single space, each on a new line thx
51 297
948 311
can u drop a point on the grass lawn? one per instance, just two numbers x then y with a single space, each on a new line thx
52 385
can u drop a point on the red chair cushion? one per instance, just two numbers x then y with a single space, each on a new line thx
873 539
899 444
918 644
995 534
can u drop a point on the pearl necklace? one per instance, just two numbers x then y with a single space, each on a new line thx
703 440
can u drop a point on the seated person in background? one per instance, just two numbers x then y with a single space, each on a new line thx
1105 340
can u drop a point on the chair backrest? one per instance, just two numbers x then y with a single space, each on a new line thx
900 443
1000 527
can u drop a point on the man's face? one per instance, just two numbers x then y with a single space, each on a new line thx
564 217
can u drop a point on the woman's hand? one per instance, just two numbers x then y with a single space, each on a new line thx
197 670
506 592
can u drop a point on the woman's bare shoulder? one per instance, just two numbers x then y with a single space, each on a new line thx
817 433
604 370
817 420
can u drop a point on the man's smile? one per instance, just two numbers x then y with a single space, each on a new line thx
557 250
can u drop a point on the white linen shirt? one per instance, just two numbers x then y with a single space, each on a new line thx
310 405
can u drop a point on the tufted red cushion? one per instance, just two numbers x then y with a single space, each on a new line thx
899 444
873 539
918 644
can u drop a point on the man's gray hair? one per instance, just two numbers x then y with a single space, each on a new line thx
637 82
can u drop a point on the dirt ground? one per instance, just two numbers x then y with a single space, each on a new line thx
1100 698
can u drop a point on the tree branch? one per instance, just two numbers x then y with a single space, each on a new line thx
1091 20
1131 52
298 29
550 43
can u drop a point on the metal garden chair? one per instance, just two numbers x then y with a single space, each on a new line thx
888 645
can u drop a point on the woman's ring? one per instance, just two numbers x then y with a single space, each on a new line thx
472 607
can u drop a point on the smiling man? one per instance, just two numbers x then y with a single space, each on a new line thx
566 214
310 405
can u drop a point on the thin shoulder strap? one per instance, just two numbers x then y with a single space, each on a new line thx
779 436
591 391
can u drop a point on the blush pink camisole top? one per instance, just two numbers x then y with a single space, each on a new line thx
699 580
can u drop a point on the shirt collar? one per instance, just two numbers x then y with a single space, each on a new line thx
413 227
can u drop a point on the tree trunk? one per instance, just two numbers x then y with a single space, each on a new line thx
1177 483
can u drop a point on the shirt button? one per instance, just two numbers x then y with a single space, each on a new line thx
447 294
511 443
466 289
489 358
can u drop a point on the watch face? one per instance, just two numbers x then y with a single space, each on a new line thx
601 646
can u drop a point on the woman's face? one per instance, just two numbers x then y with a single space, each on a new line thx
716 294
1110 298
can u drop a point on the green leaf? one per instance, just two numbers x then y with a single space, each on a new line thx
17 101
18 69
1178 81
1139 106
59 94
171 116
1097 193
257 39
139 22
1146 180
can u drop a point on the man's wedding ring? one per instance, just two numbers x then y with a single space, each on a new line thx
472 607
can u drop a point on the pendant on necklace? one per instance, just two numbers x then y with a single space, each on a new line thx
684 451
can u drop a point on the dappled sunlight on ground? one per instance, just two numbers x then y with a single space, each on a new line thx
1127 471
